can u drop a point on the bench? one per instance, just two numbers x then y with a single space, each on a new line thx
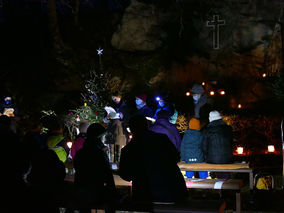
231 168
217 184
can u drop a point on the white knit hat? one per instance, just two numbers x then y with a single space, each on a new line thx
214 115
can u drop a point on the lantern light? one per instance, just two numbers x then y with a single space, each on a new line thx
240 150
187 93
85 104
203 83
239 106
264 75
69 144
212 93
271 148
222 92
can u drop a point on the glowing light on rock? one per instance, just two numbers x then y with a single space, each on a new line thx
271 148
240 150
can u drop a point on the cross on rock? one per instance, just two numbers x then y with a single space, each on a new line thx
215 23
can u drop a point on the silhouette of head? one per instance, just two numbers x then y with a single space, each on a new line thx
138 124
83 126
95 131
163 114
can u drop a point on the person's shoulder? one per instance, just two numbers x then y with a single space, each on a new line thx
158 136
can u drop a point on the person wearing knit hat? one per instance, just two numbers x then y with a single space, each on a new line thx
197 89
214 115
201 102
217 140
141 105
190 150
194 123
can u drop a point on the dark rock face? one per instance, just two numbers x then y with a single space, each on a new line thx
249 43
139 29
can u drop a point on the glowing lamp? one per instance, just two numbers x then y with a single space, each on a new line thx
158 98
240 150
271 148
203 83
222 92
239 106
212 93
69 144
264 75
85 104
187 93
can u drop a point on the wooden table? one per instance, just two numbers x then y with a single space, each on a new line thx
232 168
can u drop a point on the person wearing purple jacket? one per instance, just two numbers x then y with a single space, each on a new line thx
163 126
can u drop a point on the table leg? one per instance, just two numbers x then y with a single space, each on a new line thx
251 181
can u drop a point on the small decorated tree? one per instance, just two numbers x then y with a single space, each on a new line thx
96 96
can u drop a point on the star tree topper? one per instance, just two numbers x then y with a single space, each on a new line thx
100 51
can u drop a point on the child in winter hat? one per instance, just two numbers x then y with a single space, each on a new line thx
194 124
214 115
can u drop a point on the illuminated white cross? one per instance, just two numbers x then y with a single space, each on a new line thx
100 51
215 23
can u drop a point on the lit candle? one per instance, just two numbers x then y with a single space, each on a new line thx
240 150
212 93
69 144
271 148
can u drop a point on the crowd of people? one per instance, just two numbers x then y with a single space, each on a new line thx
36 171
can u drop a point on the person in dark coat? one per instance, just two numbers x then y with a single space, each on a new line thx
123 111
217 140
15 165
165 104
115 137
150 160
163 126
93 174
191 147
142 107
201 104
120 108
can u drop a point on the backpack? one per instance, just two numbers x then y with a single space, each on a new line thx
264 182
